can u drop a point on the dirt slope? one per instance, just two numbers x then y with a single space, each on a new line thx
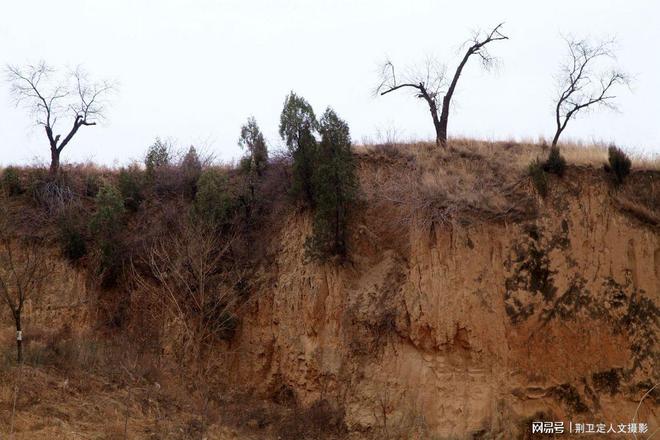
467 331
469 308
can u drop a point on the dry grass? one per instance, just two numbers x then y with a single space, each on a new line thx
639 197
470 182
521 153
52 404
74 402
638 210
78 387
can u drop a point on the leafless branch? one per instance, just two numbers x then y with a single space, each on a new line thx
189 277
47 98
23 270
429 83
581 85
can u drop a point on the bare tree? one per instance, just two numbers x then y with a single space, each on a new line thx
431 80
192 280
580 86
23 269
190 277
48 100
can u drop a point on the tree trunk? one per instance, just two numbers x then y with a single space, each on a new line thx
54 161
19 339
440 134
556 138
441 127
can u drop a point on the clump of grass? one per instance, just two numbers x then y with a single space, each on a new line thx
618 163
555 163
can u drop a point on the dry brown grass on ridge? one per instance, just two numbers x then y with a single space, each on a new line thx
471 181
522 153
468 183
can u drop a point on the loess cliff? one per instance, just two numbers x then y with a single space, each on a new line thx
467 331
469 307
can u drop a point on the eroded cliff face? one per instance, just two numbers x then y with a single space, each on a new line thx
465 331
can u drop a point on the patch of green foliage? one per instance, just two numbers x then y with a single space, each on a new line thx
92 184
251 167
71 234
106 225
191 169
212 201
297 127
253 141
335 189
158 156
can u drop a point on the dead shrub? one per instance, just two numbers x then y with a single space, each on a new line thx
63 350
53 194
166 181
191 278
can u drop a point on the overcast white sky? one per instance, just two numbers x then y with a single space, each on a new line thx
194 70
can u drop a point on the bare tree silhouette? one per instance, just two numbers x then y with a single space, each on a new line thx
429 81
47 100
580 86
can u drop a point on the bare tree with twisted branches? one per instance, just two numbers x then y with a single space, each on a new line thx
430 81
580 86
48 100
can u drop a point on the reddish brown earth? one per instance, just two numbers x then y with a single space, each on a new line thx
454 330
